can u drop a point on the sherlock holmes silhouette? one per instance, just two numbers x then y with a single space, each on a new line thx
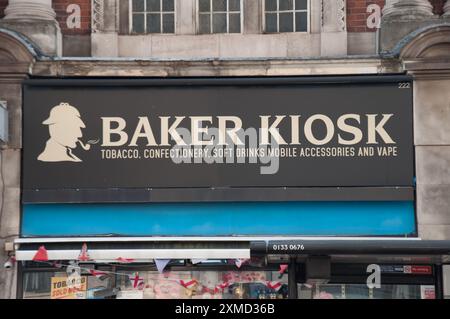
64 125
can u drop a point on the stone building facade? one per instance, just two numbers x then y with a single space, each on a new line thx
92 38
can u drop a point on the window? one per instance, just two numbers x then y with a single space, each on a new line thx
361 291
202 285
219 16
152 16
286 15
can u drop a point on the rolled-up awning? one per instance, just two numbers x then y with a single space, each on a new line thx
142 249
135 249
356 246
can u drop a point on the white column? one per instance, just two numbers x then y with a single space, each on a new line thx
35 19
447 9
186 15
105 35
410 8
334 28
30 10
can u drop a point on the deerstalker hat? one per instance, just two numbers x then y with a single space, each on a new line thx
64 113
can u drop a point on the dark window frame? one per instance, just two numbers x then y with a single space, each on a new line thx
227 12
293 11
146 12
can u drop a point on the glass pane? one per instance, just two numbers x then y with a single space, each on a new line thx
168 5
208 285
271 5
205 25
301 4
168 23
37 285
153 5
286 22
220 23
234 5
220 5
361 291
357 292
235 23
271 22
398 292
99 288
154 23
138 6
204 5
138 23
286 5
301 21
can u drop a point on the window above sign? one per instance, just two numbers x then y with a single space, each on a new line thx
152 16
214 16
219 16
286 16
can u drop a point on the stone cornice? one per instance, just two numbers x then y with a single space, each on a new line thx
172 68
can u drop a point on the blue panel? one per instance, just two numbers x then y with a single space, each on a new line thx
220 219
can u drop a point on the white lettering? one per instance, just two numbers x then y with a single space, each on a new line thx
143 129
343 126
108 131
308 129
172 130
272 130
373 129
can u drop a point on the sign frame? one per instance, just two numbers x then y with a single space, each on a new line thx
194 194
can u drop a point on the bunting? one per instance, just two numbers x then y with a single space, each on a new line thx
188 284
275 285
161 264
84 255
41 254
125 260
137 281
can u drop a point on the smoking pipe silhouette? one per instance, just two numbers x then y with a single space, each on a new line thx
87 146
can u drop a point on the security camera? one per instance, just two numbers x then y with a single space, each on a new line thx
8 264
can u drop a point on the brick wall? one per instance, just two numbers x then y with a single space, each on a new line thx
3 4
357 14
60 7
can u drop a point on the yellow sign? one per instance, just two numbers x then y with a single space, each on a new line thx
68 288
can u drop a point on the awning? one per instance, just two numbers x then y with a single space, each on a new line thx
356 246
130 249
142 249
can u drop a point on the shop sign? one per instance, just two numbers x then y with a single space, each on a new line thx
427 292
407 269
291 133
418 270
64 288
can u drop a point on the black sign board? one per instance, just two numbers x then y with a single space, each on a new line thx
217 133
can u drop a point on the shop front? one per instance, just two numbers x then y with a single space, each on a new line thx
228 188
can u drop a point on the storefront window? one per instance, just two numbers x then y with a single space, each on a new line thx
54 285
184 284
446 276
37 285
361 291
203 285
